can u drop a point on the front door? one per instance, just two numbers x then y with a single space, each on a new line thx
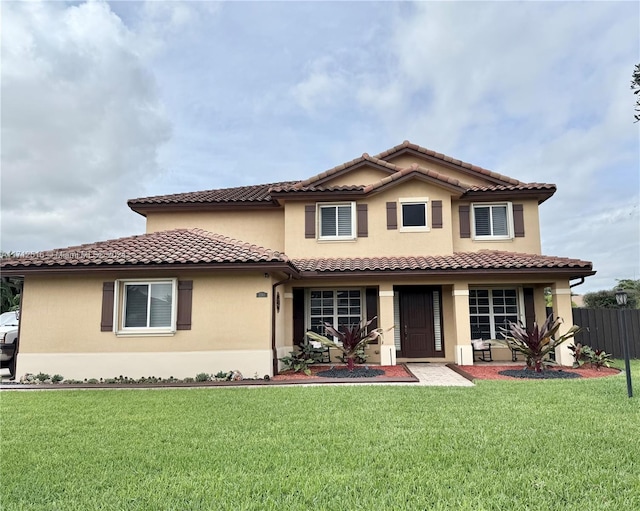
418 323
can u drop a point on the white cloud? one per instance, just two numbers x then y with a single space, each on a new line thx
81 125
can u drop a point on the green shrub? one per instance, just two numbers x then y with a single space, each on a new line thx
56 378
42 376
302 357
203 377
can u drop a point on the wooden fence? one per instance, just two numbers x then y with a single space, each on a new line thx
603 330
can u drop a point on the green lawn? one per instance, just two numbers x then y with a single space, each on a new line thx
565 445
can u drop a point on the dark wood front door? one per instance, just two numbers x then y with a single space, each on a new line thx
417 334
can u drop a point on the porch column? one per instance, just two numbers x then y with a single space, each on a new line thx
385 321
561 294
460 294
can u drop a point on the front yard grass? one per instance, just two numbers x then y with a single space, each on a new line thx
502 445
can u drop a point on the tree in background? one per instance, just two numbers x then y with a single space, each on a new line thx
10 289
606 299
635 87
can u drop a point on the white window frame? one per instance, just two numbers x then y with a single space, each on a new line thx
322 205
119 309
414 200
363 304
509 207
519 304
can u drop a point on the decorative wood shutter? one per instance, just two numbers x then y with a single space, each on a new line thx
392 215
106 323
363 222
529 308
185 292
371 299
310 221
298 315
518 220
436 214
465 223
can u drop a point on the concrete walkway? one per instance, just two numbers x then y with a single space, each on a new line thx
437 375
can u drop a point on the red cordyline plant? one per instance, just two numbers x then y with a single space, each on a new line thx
536 344
351 338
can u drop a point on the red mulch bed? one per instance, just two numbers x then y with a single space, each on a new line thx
490 372
398 373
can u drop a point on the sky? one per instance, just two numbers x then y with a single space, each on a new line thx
107 101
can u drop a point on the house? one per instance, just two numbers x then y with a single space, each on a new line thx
439 250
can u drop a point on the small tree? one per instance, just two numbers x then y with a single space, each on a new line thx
536 344
351 339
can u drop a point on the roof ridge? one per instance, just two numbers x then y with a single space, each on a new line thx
414 167
406 144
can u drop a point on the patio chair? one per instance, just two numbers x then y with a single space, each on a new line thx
481 349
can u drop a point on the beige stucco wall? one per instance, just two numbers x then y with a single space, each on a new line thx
406 160
62 314
361 176
380 241
529 243
263 227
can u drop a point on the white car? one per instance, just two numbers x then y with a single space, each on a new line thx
9 322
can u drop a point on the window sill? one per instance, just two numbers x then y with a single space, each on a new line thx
493 239
146 333
414 229
336 240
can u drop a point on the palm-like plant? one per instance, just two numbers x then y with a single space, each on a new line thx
536 344
351 339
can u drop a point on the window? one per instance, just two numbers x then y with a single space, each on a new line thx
413 213
490 310
492 221
147 306
336 221
335 306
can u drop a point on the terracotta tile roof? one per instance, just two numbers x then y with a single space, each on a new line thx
305 189
179 246
521 186
481 260
262 194
242 194
343 166
428 152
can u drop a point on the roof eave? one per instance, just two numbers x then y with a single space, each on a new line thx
143 209
569 273
540 195
166 268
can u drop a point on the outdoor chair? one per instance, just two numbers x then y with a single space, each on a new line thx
482 350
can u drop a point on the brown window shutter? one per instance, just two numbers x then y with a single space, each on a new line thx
392 215
518 220
363 222
310 221
298 315
436 214
529 308
371 298
106 323
185 291
465 224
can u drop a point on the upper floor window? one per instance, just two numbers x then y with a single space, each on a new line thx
337 221
413 214
493 221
